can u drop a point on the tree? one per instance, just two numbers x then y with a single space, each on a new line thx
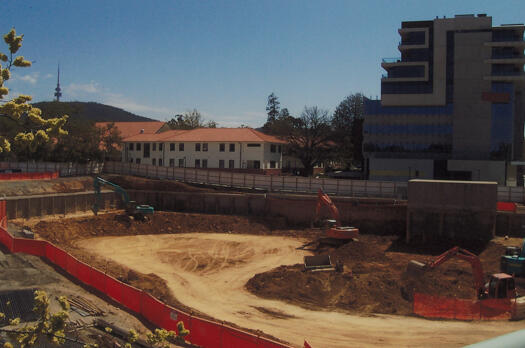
81 144
32 130
309 138
190 120
347 124
272 108
111 141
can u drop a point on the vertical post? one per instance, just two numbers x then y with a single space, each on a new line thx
352 188
253 180
296 180
231 179
337 188
184 175
380 189
147 171
366 187
173 172
207 177
220 172
157 171
271 183
244 180
310 185
282 186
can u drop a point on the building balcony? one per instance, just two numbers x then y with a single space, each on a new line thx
507 42
515 59
399 71
506 76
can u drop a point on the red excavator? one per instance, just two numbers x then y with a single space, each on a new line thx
500 285
334 231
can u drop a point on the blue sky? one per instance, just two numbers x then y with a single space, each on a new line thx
160 58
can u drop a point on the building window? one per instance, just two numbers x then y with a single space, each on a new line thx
131 146
231 164
253 164
160 147
172 147
272 148
181 146
280 149
172 162
205 147
204 163
138 147
181 162
222 147
221 163
160 162
197 163
146 150
137 160
254 145
197 147
154 161
154 147
272 164
232 147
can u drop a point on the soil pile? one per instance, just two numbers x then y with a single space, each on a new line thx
374 281
39 187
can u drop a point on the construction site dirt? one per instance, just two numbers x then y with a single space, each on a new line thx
249 272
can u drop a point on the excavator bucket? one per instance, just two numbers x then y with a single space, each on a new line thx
415 267
318 263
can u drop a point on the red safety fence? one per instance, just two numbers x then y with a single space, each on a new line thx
506 206
202 332
430 306
29 176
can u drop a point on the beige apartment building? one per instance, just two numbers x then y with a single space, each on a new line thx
452 104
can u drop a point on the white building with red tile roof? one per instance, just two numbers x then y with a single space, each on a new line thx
216 148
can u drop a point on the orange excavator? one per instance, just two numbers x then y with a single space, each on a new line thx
500 285
335 232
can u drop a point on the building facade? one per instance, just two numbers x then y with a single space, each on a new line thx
214 148
452 105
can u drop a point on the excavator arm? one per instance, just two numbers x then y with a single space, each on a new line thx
477 268
324 200
97 183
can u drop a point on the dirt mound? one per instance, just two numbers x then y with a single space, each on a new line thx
66 231
137 183
374 281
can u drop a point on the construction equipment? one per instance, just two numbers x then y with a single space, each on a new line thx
500 285
335 231
513 262
132 209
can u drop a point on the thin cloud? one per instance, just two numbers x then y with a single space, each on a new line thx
29 78
77 89
119 101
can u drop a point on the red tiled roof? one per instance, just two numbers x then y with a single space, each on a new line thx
209 135
128 129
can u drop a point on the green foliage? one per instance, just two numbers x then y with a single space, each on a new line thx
347 124
29 130
190 120
49 325
272 107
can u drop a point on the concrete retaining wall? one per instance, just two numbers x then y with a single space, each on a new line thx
57 204
378 216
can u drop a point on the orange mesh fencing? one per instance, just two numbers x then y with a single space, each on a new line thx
429 306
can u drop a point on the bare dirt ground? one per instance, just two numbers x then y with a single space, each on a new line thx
209 272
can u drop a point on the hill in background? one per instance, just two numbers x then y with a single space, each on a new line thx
88 111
